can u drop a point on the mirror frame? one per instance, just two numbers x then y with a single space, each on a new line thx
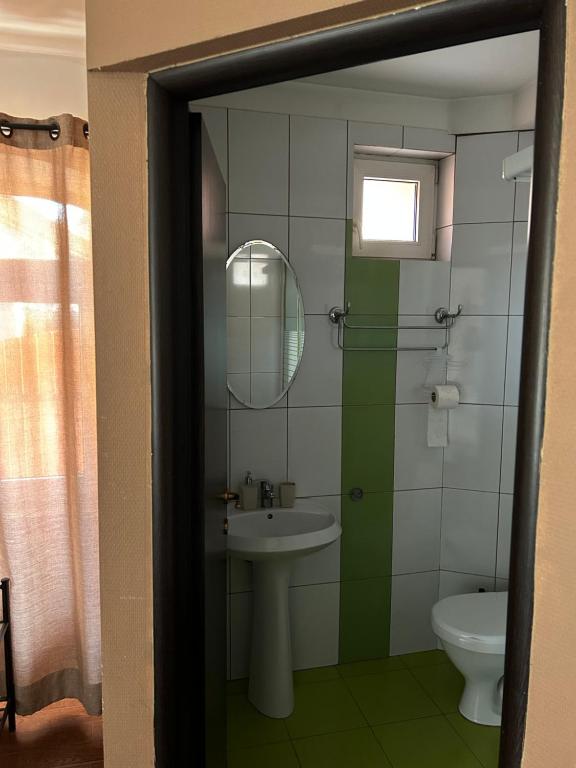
284 258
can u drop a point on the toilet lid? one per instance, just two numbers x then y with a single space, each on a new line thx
476 622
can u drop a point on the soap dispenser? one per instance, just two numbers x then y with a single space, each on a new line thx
249 493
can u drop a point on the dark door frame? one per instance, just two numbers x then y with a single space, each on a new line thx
179 679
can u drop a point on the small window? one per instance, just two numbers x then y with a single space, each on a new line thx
394 206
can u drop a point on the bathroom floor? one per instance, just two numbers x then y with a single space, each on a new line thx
59 736
399 712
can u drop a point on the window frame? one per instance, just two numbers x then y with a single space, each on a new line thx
385 167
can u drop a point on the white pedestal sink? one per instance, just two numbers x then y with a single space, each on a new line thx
272 539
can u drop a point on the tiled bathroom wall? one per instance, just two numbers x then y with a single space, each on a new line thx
453 506
431 522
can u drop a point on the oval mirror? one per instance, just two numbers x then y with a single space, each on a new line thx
265 324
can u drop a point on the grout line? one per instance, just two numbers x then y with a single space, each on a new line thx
287 215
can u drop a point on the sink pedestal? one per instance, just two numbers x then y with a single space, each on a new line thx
271 687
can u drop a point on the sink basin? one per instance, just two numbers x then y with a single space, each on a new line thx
273 539
280 533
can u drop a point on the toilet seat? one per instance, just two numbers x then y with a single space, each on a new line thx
476 622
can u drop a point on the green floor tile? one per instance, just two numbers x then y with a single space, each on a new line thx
357 749
483 740
372 285
443 683
317 675
424 659
369 378
364 619
426 743
368 448
374 667
323 708
247 727
391 697
268 756
367 537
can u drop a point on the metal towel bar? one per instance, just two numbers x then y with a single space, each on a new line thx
443 317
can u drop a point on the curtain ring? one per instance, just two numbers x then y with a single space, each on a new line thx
6 130
86 131
54 131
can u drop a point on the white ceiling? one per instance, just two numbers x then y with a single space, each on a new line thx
489 67
55 27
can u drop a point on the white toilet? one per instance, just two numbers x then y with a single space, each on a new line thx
472 630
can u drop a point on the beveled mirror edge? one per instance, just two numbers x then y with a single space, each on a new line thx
286 261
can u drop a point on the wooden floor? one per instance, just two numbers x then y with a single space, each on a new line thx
59 736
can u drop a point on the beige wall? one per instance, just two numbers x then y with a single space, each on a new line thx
118 32
551 735
120 251
40 85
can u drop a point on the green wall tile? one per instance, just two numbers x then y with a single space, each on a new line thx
372 286
368 448
369 377
364 619
367 537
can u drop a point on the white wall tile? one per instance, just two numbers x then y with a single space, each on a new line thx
463 583
509 449
504 535
469 532
314 450
258 443
513 359
315 623
418 371
317 167
243 227
478 358
519 260
240 634
319 377
415 464
317 253
413 596
472 458
321 567
525 139
480 192
424 286
429 139
481 256
416 538
258 162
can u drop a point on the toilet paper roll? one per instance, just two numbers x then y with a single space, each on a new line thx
444 397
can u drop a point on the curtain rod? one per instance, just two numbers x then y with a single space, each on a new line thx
7 128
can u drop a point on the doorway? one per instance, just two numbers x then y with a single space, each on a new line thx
407 33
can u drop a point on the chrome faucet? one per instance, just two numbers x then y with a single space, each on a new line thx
267 494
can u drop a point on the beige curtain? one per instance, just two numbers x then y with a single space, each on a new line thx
48 493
